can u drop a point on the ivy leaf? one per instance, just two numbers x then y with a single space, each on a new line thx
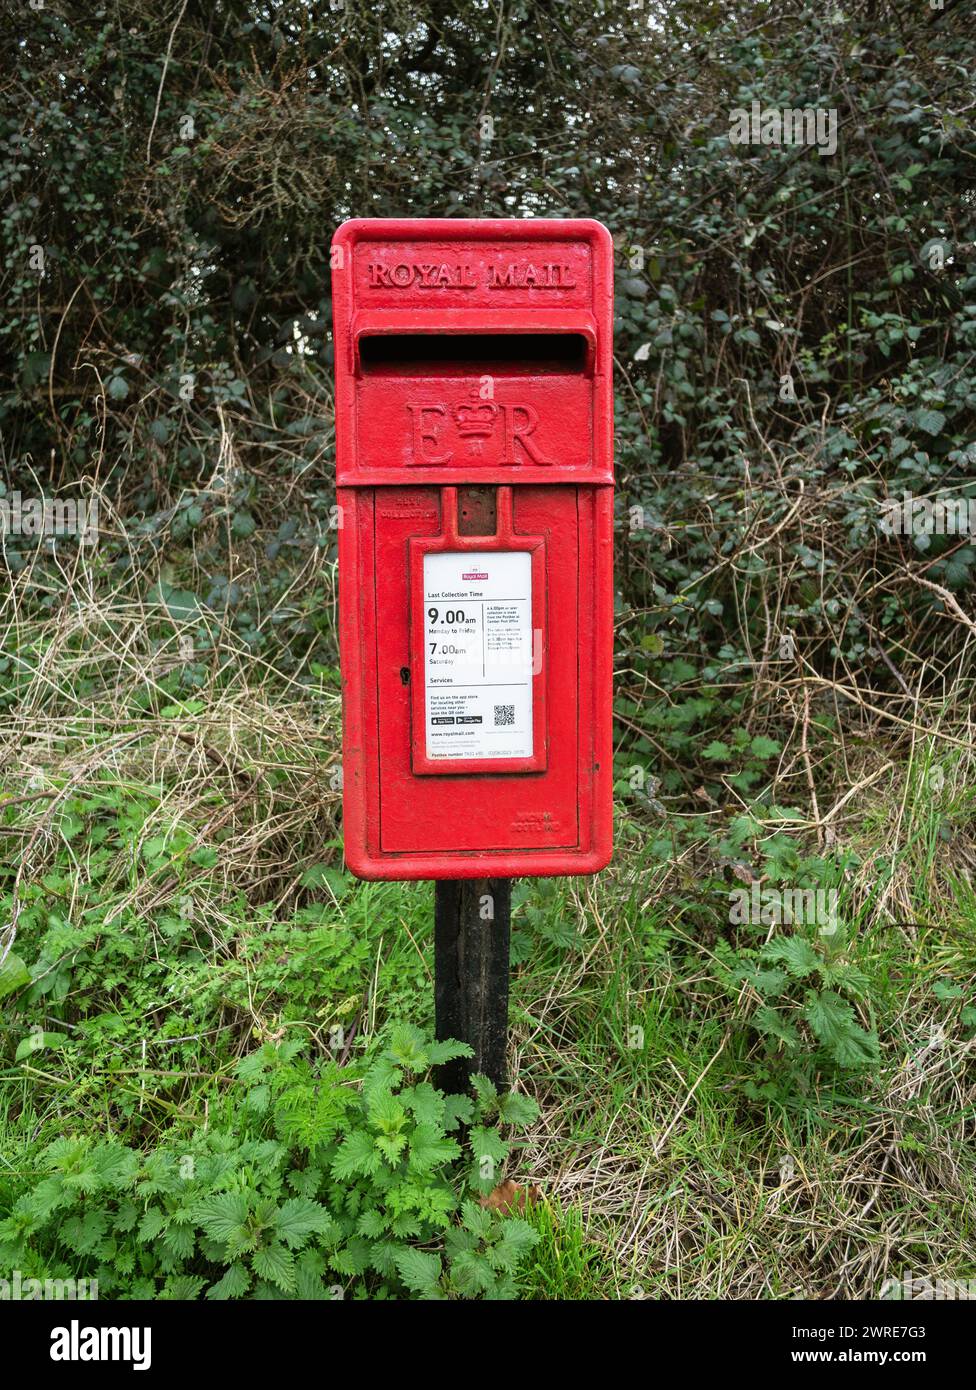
956 569
180 604
243 524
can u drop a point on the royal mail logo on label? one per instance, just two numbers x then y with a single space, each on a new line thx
474 574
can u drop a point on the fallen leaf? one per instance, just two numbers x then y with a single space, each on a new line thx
509 1197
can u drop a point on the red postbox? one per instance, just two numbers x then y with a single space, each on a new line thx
474 474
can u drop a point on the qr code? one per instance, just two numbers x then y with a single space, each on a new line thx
504 714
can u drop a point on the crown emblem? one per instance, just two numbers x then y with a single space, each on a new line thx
475 421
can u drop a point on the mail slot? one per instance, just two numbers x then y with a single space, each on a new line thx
474 478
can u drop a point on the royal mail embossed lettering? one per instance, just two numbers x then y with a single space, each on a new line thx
465 275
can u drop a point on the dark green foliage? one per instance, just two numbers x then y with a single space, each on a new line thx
323 1189
185 214
180 172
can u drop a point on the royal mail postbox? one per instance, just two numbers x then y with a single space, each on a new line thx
474 438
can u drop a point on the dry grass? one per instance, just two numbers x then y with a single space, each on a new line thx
247 760
687 1187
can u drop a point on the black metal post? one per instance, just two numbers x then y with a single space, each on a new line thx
472 932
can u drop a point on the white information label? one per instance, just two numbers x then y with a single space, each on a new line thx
478 654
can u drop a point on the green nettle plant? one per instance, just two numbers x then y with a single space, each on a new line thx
804 1014
323 1188
797 968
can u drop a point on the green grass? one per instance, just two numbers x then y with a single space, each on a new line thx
661 1171
181 899
566 1264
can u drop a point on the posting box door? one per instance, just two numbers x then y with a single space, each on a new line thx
495 783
